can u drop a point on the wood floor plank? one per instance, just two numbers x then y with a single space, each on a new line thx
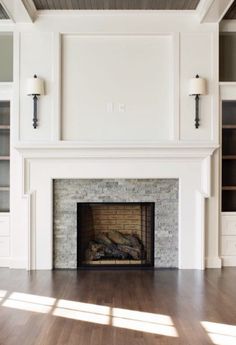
83 305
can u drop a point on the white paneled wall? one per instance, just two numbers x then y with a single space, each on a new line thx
113 80
122 84
36 57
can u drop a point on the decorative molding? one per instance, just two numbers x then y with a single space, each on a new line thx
17 262
176 87
212 11
203 8
17 10
228 261
31 9
206 176
70 150
56 63
43 166
213 262
5 262
6 91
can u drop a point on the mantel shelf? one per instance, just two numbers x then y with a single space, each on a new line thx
117 150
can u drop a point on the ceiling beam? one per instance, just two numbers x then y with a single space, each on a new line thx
213 11
20 11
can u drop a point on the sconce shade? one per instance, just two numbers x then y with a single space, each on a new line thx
197 86
35 86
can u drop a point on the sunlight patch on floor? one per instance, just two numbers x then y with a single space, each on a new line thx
93 313
219 333
28 302
146 327
2 294
38 308
25 297
86 307
142 316
82 316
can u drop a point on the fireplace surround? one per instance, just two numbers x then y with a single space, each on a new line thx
56 179
162 193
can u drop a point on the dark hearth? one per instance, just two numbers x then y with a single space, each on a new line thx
119 234
114 245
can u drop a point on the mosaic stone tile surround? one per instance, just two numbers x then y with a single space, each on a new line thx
67 192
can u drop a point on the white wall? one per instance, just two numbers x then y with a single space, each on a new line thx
117 87
109 53
167 49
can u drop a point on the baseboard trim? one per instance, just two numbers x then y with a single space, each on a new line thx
213 262
229 261
18 263
4 262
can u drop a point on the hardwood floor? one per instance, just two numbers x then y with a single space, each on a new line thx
118 307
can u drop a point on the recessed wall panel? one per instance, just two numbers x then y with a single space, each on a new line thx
117 88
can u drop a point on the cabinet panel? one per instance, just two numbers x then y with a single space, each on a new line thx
228 225
228 246
4 246
4 226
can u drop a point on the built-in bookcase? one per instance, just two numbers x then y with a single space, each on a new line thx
229 156
4 156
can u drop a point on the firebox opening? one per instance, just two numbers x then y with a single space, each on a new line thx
115 234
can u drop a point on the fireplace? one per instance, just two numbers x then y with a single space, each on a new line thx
72 231
115 234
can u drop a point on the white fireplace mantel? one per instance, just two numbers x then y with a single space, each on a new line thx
189 163
106 150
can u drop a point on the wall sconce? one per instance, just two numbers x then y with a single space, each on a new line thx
197 87
35 88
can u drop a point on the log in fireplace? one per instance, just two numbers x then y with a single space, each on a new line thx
115 234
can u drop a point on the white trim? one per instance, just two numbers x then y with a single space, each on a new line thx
5 24
71 151
56 118
31 9
213 262
206 176
214 10
6 90
227 83
203 8
176 87
228 261
225 11
16 89
228 25
228 213
4 262
17 262
17 11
